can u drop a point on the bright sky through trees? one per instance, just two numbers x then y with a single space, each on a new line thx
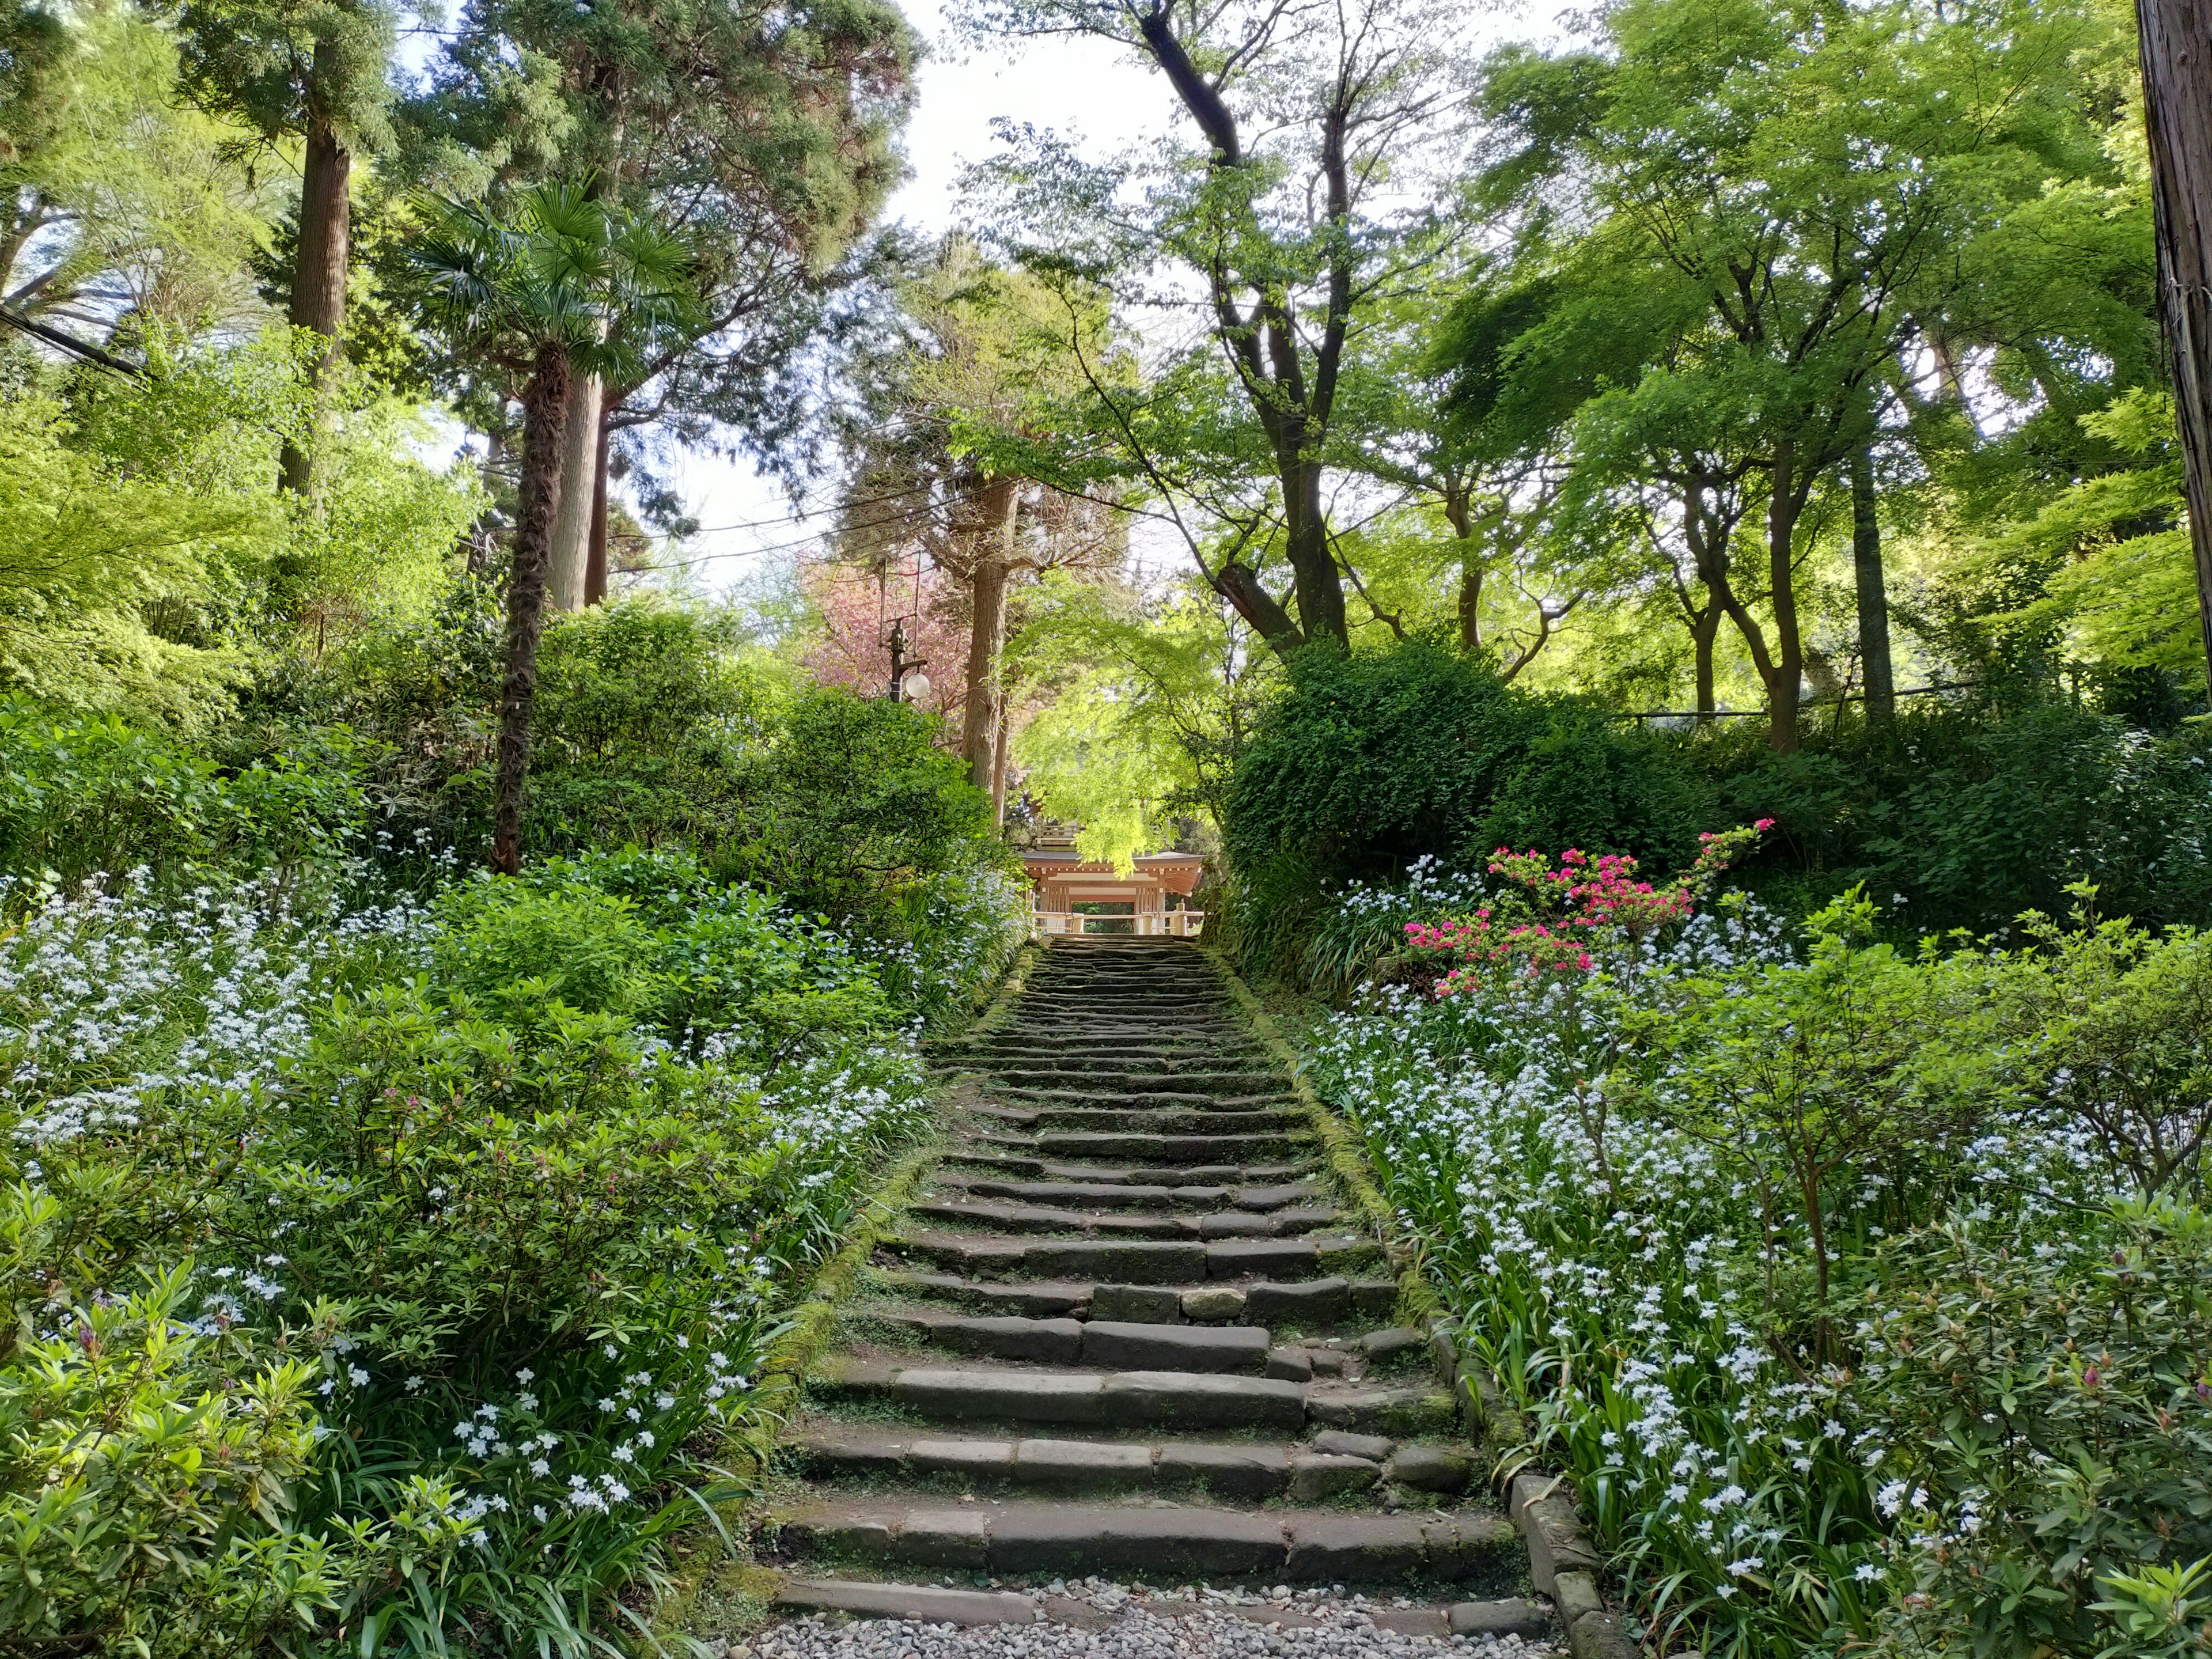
1081 86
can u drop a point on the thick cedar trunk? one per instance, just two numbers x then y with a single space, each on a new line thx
1874 600
544 414
995 507
1787 673
319 270
595 560
572 528
2177 73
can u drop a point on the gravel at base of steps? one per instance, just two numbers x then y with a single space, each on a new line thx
1092 1620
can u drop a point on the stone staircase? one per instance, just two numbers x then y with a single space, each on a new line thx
1129 1327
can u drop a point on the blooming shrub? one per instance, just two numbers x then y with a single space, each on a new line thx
1795 1248
452 1233
1547 918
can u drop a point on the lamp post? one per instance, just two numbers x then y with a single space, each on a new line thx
909 683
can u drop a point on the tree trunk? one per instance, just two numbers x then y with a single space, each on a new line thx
1704 630
544 416
996 506
1313 567
571 548
318 269
1787 675
2176 74
595 557
1240 584
999 760
1470 597
1873 601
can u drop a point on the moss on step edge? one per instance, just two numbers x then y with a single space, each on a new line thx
1418 1303
698 1559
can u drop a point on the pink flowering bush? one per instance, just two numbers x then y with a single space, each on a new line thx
1546 917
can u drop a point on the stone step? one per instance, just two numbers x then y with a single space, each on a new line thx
1151 1174
1147 1082
1214 1223
1331 1467
1110 1343
1130 1399
1167 1115
925 1604
1129 1195
1140 1261
1154 1149
1316 1305
1472 1549
1163 1053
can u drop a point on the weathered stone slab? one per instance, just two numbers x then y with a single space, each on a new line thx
1431 1468
1246 1473
1176 1399
1137 1347
914 1603
1149 1304
1319 1477
1315 1304
1004 1396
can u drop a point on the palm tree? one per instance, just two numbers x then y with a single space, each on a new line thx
558 285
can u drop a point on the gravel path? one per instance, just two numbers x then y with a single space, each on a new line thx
1096 1620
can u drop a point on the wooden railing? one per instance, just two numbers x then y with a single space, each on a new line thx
1158 924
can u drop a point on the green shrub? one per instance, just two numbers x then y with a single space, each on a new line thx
540 1164
1965 818
1372 761
2045 1408
82 794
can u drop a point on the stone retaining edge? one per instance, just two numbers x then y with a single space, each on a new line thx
812 1321
1563 1560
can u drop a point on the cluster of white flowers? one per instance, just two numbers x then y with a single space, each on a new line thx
1580 1234
109 1000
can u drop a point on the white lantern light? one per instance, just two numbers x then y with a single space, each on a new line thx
915 686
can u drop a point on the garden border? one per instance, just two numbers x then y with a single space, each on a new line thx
1563 1560
812 1322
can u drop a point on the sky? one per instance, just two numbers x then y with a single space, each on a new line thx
1084 88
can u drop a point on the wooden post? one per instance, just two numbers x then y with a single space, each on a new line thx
2177 73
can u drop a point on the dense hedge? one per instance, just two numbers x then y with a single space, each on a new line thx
1952 817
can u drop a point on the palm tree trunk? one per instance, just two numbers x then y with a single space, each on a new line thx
544 416
572 526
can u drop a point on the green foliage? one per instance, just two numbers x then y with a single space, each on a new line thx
1965 818
80 796
2048 1409
1371 761
86 552
148 1482
545 1159
1826 1266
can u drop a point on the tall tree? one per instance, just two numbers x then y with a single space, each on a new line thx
117 208
2176 80
545 287
962 458
762 134
1799 187
1318 132
317 71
